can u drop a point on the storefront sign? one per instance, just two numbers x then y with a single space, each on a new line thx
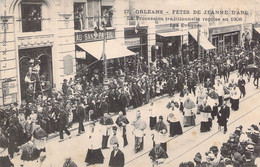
167 27
9 88
132 42
222 30
93 36
131 32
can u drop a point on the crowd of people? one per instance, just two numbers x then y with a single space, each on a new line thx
242 149
85 98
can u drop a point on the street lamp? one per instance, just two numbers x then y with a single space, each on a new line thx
105 81
170 54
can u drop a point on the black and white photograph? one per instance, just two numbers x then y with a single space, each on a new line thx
129 83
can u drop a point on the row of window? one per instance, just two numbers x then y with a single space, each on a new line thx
86 16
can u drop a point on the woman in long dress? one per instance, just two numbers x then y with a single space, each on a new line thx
175 125
189 116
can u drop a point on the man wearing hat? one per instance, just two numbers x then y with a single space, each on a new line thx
106 121
123 101
94 154
62 119
249 159
81 115
138 132
161 129
121 122
65 87
223 116
197 159
12 132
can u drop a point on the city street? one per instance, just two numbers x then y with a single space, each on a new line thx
180 148
68 67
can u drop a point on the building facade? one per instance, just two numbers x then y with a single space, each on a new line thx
37 35
54 39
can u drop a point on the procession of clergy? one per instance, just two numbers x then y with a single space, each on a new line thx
204 93
210 100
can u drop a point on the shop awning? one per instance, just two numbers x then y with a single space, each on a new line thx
113 49
258 29
204 42
172 34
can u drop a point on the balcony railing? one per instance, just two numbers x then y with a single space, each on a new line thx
34 25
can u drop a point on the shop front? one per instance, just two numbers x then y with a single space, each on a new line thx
89 50
169 44
199 45
136 41
226 37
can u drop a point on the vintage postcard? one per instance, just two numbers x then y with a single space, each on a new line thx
133 83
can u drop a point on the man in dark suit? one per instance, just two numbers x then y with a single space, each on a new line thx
223 116
81 114
62 120
117 158
123 101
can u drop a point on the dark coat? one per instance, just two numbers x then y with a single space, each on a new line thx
65 88
118 160
12 134
160 126
225 112
223 115
63 119
123 101
157 153
81 113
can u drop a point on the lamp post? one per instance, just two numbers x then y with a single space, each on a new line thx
170 54
198 40
105 81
